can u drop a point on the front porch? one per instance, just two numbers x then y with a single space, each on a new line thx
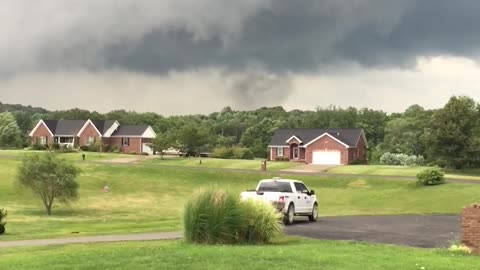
297 153
65 141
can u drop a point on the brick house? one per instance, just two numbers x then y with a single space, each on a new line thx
319 146
74 133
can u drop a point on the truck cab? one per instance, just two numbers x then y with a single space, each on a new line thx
291 197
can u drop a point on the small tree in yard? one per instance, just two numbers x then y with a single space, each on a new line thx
162 143
50 178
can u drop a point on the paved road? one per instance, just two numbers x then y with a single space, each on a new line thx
410 230
93 239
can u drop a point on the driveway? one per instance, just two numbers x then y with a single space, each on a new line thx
408 230
310 168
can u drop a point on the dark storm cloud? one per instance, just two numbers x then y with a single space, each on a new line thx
281 35
306 34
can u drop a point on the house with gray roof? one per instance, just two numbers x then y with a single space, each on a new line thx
319 146
74 133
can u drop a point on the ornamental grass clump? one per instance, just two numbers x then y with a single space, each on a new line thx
219 217
213 217
264 221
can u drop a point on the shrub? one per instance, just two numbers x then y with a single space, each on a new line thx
38 146
3 214
84 148
282 159
223 152
401 159
218 217
265 222
232 153
55 146
248 154
430 177
213 217
114 149
460 248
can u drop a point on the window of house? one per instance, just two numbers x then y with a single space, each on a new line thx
42 140
90 140
279 152
125 141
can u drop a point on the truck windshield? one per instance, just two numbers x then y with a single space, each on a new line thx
275 186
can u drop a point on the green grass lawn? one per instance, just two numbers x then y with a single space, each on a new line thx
289 253
147 198
222 163
90 156
401 171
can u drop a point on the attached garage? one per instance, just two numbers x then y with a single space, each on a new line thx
146 148
326 157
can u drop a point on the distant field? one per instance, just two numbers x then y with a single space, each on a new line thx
400 171
69 156
289 253
222 163
146 198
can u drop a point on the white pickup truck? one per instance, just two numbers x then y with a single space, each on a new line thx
291 197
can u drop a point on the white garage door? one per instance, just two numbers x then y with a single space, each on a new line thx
147 149
326 157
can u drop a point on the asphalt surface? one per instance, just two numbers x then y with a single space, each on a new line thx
427 231
92 239
406 230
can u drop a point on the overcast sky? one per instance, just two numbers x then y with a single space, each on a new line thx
198 56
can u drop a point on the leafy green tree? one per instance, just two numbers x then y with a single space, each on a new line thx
10 135
257 137
454 133
50 178
192 138
162 143
406 133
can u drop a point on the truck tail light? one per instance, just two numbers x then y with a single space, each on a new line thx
281 199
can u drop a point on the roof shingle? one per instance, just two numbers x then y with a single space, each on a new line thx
65 127
347 136
126 131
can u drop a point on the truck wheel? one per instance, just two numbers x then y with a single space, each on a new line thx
288 219
314 215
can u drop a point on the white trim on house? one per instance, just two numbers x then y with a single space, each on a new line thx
362 134
112 129
37 126
276 146
149 133
283 152
271 153
327 134
294 137
85 126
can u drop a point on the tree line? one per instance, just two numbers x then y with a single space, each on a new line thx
449 136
